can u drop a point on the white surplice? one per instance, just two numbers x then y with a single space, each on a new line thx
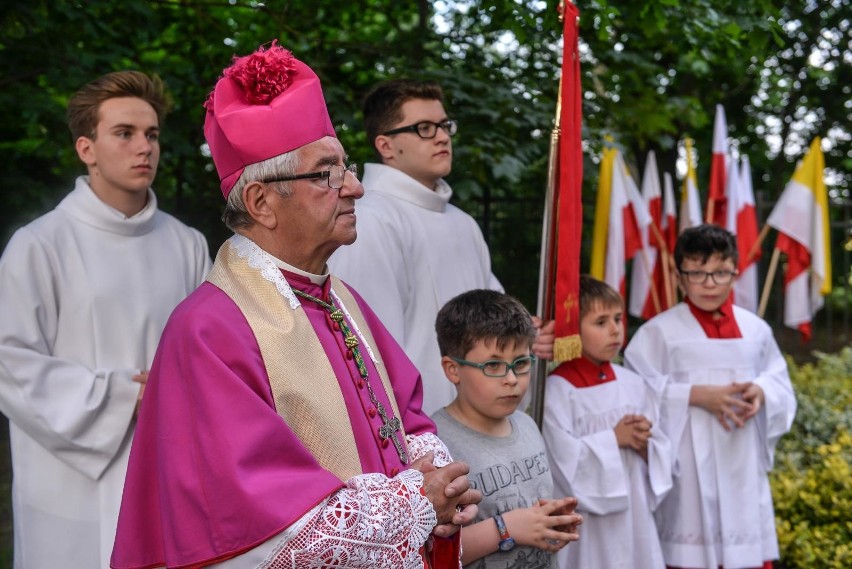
84 294
616 489
719 512
414 252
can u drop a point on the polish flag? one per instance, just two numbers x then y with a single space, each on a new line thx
801 218
717 198
645 299
742 222
664 276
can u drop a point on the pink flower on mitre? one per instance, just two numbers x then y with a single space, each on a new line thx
264 74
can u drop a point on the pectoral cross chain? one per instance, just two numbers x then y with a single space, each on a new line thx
390 426
389 429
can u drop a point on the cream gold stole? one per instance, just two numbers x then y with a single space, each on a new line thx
306 391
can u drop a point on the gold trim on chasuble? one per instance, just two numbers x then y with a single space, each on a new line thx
305 390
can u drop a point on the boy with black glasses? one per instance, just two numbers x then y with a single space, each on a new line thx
727 401
415 250
485 338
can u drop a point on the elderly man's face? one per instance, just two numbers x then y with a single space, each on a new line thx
315 219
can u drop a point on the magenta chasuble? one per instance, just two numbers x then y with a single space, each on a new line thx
254 413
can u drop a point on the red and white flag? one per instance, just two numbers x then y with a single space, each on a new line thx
717 199
645 300
627 217
690 205
664 272
801 218
742 222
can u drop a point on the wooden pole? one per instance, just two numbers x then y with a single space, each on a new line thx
655 298
664 258
757 244
767 284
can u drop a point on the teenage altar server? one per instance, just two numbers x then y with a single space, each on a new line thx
85 292
282 425
727 402
600 428
415 250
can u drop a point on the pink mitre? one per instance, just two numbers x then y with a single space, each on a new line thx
265 104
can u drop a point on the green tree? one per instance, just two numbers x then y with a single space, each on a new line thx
652 73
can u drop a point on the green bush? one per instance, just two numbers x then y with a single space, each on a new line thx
812 480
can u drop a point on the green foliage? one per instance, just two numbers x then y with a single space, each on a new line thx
653 72
812 480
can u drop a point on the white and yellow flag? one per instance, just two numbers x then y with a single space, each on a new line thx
801 218
690 205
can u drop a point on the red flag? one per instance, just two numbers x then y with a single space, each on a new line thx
716 197
569 208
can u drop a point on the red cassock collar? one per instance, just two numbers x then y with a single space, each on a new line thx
582 372
723 327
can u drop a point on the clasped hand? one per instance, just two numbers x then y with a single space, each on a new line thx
448 490
732 404
633 431
549 524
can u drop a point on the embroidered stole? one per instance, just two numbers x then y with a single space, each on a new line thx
305 389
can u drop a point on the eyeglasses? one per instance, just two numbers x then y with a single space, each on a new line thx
700 277
335 175
427 129
499 368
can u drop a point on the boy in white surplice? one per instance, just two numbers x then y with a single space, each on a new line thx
599 428
728 400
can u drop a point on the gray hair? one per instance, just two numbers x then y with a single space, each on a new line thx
235 215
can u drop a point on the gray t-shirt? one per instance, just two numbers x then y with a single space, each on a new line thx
511 472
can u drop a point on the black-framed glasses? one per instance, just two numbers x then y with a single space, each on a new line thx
427 129
335 175
499 368
700 277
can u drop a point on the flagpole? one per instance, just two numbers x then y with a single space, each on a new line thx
764 233
546 278
664 253
767 284
560 270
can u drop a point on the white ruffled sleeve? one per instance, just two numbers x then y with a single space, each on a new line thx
373 522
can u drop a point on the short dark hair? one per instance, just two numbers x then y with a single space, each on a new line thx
482 315
594 291
702 242
85 104
383 104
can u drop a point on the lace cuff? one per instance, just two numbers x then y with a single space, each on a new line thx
418 445
374 521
